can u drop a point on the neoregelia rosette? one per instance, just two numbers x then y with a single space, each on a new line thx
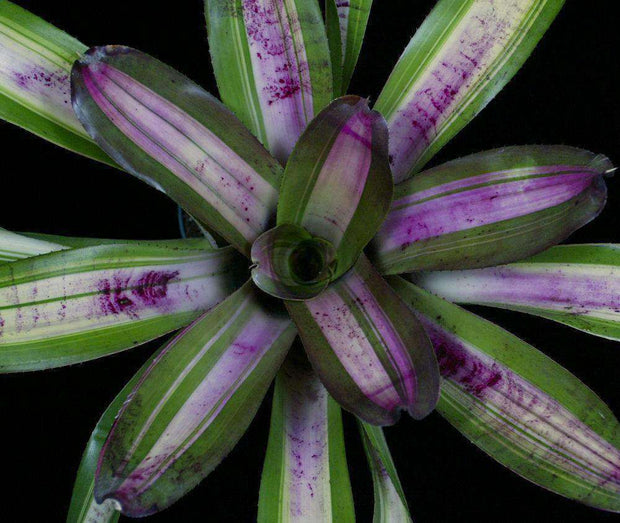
324 202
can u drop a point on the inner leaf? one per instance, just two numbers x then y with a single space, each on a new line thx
292 264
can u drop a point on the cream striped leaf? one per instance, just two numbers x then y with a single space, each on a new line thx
16 246
35 90
390 501
305 476
271 62
193 404
75 305
458 60
519 406
346 25
578 285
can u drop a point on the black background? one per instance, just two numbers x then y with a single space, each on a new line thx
566 93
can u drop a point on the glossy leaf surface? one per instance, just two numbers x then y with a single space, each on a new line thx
289 263
337 184
84 508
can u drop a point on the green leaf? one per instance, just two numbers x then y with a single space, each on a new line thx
193 404
84 508
368 348
337 183
271 62
71 306
519 406
490 208
305 476
577 285
458 60
15 246
346 25
166 130
390 501
35 91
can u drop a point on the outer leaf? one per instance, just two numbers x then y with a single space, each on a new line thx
390 501
346 24
337 183
165 129
76 242
271 62
15 246
578 285
35 93
491 208
368 348
458 60
71 306
519 406
193 404
84 508
305 477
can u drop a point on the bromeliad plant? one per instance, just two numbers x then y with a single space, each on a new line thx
322 212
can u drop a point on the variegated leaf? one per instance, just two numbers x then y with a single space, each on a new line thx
193 404
305 476
458 60
346 25
35 90
390 501
16 246
490 208
168 131
367 347
271 62
337 183
578 285
84 508
519 406
75 305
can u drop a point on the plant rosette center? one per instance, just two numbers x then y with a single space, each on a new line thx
292 264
